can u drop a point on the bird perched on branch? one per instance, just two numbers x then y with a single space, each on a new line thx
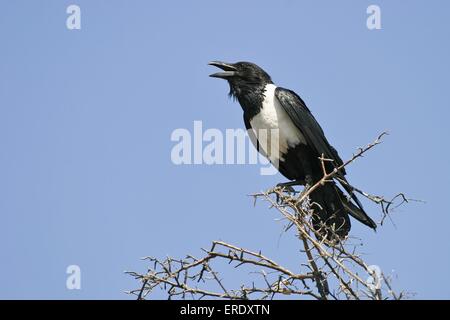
300 143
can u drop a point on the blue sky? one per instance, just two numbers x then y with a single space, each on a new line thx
86 117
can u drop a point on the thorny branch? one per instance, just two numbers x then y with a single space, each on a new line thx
329 270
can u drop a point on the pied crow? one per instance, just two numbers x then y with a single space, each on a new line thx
301 141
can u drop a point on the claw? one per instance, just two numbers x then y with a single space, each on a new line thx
285 188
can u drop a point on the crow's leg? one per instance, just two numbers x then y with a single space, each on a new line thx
309 182
288 185
307 168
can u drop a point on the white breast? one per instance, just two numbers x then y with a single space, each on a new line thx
274 123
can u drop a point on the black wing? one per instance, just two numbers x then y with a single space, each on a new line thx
302 118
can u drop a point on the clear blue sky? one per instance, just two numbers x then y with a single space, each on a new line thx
86 117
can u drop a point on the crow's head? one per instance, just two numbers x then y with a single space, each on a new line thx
243 77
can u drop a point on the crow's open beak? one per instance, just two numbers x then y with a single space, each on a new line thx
228 70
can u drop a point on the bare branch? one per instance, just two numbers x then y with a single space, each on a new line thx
327 270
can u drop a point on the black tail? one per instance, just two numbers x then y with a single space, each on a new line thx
332 208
